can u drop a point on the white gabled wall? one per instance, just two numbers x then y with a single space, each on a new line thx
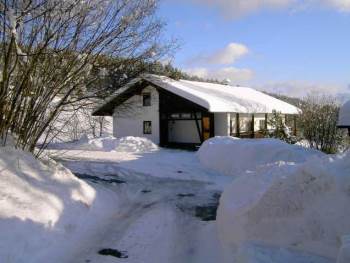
128 118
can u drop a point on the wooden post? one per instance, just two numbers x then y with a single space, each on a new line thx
295 125
265 122
237 125
253 128
200 133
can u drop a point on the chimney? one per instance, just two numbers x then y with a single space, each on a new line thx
227 81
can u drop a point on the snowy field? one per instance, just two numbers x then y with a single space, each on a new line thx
131 201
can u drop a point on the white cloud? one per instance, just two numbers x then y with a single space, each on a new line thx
237 8
341 5
235 75
225 56
303 88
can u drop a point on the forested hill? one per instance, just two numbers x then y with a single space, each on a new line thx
298 102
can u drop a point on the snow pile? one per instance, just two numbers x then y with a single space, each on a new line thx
304 143
257 253
305 207
232 156
344 252
44 208
108 144
134 144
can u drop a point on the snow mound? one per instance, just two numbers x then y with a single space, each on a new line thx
42 207
304 207
257 253
232 156
108 144
135 144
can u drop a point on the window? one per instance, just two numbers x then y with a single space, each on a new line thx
146 99
175 116
186 116
147 127
262 124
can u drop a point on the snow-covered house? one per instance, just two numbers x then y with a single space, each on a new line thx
344 117
174 112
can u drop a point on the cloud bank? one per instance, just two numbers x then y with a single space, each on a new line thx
303 88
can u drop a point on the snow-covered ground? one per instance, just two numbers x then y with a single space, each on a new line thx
132 155
142 203
49 215
161 222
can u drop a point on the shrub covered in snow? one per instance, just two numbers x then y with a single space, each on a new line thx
44 209
232 156
109 143
304 207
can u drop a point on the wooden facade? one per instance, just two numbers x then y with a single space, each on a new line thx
171 105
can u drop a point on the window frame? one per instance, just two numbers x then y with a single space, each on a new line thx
145 131
263 122
148 94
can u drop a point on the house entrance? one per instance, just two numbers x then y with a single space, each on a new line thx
206 128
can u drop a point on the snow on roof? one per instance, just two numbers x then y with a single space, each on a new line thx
218 97
223 98
344 115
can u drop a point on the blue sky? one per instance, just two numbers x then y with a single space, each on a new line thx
292 48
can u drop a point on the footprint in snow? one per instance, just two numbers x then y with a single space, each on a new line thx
113 252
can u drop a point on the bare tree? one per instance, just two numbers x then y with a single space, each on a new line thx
48 51
319 123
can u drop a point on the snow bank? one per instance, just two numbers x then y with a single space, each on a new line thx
232 156
44 208
257 253
304 143
305 207
108 144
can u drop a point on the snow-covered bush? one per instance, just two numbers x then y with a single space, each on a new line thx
52 49
72 124
304 207
232 156
318 122
279 128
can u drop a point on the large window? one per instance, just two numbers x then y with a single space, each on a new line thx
147 127
146 99
262 124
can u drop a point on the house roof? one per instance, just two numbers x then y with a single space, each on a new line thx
344 115
213 97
